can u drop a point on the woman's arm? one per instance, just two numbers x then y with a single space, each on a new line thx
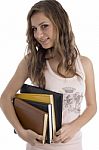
90 94
7 96
69 130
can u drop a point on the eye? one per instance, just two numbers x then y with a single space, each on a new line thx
34 29
44 26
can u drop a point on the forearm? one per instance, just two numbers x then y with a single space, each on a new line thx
8 110
85 116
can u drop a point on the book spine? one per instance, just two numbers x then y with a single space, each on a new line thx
53 114
50 122
45 127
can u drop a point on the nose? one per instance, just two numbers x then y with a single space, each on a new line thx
39 34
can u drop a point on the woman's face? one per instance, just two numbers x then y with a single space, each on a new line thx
43 29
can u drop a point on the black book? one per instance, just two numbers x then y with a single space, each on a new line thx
58 99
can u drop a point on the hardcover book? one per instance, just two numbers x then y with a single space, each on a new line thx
40 98
57 103
31 117
47 108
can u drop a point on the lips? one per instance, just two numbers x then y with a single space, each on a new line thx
45 41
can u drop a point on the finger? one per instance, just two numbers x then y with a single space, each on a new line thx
38 142
39 137
57 139
65 140
32 137
35 135
59 132
33 142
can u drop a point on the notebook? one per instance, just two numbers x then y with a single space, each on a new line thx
58 99
41 98
47 108
31 117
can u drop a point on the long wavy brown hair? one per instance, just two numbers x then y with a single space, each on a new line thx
64 44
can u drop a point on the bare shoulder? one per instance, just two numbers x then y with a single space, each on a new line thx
24 63
19 77
26 59
86 62
87 65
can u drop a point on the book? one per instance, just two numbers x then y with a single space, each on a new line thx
41 98
47 108
31 117
57 101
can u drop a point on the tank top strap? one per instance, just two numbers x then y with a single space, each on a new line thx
79 68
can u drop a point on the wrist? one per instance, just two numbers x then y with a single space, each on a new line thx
75 125
19 130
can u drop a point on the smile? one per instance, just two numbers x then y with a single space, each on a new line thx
44 41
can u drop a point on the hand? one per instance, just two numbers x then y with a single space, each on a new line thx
30 137
65 133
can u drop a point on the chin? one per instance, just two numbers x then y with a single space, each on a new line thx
46 46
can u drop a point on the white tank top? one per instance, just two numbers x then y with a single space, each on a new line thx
73 90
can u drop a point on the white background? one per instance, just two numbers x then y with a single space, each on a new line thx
84 16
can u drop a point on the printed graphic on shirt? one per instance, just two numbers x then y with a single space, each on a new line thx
71 99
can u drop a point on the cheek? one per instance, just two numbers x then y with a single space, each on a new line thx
54 36
34 35
54 33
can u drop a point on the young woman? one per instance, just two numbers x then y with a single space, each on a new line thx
54 62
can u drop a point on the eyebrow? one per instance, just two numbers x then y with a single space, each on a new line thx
40 24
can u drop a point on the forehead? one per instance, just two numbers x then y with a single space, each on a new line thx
38 18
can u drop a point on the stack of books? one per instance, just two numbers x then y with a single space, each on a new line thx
39 110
